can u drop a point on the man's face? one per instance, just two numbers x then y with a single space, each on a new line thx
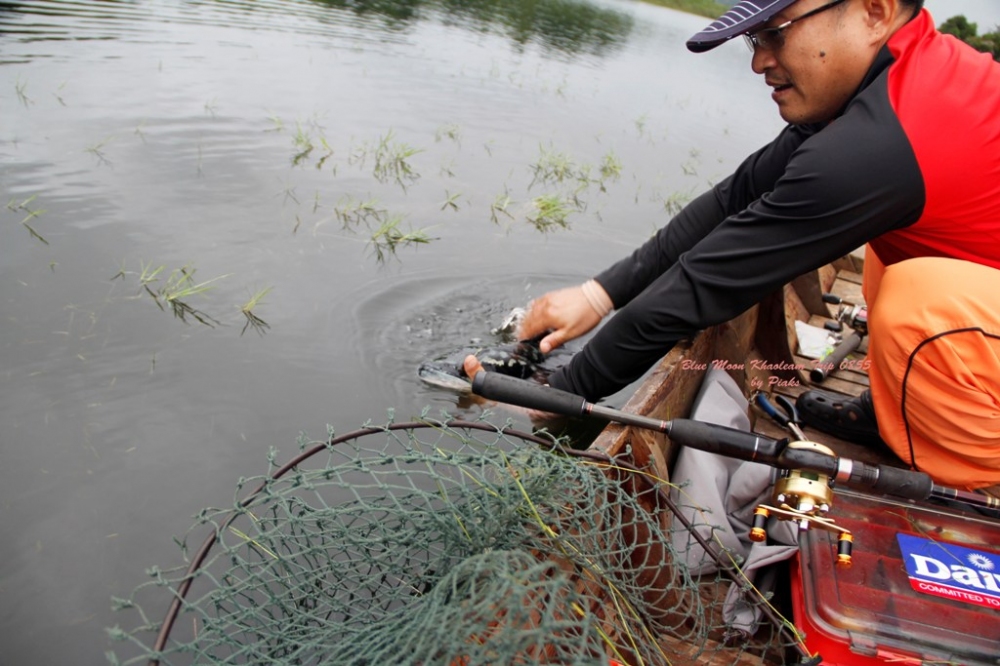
815 65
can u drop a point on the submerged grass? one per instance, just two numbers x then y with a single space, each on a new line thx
353 213
20 87
499 207
22 206
252 320
175 292
387 238
391 160
551 211
97 151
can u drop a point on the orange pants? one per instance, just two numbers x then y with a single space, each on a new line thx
934 347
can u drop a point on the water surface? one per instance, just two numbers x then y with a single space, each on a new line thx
232 140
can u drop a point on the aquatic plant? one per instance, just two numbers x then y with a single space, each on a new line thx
450 131
278 125
175 292
96 150
556 167
551 211
499 206
22 206
450 200
20 87
610 169
391 159
252 320
387 238
303 144
352 213
58 97
675 202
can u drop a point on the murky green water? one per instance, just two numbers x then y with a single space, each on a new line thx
261 146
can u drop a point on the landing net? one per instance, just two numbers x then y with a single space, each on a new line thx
440 543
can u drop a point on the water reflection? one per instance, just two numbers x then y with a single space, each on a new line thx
568 27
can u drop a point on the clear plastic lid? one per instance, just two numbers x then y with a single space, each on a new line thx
924 582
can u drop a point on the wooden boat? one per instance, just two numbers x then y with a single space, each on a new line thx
758 349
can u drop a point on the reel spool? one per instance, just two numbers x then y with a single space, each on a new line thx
805 497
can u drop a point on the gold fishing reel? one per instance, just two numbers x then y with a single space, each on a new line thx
804 497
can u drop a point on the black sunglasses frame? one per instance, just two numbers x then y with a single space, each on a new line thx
772 39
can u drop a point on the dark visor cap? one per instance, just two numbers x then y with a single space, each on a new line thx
745 16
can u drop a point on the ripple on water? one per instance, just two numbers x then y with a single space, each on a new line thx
405 323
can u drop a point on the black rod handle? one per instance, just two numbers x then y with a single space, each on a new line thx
888 480
523 393
728 442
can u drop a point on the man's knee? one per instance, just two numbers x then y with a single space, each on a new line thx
927 296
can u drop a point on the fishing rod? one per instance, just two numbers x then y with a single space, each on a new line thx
804 493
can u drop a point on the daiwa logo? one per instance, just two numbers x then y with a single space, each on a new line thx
952 571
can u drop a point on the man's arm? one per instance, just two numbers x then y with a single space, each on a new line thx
844 186
757 174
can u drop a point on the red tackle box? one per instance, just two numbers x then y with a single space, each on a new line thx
923 587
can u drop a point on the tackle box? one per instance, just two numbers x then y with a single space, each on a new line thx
923 586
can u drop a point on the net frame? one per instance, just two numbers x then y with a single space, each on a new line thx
629 479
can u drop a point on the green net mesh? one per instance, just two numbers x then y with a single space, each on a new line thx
434 543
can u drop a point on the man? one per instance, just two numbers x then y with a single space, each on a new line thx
893 140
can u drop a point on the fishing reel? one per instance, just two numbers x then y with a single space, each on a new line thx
804 497
852 314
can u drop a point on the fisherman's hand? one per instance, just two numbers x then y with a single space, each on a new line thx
568 313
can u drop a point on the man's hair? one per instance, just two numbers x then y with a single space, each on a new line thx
916 4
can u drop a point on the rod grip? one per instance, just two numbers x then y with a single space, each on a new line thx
832 361
524 393
729 442
888 480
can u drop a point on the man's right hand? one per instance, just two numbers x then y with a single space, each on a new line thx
566 312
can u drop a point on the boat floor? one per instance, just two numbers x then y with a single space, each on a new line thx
849 380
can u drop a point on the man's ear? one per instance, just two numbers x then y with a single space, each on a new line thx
883 17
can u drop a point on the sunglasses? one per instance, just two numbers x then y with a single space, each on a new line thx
772 39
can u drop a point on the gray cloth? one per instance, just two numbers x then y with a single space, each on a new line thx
719 495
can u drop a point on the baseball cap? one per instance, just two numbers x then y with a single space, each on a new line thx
745 16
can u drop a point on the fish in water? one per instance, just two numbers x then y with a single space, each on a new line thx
522 359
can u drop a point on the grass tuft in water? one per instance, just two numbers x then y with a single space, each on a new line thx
499 207
252 320
554 167
391 160
388 238
353 213
675 202
174 293
450 200
610 169
97 151
22 206
551 211
450 131
20 87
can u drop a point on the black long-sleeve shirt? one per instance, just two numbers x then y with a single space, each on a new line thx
812 195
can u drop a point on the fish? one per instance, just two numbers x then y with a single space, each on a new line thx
521 358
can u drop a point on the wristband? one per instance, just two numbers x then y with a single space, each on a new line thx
597 297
